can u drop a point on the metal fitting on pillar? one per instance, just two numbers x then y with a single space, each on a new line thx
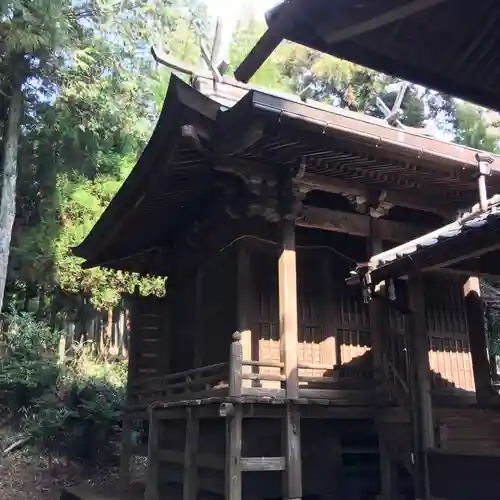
226 410
484 166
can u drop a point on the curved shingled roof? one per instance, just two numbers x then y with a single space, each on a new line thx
176 179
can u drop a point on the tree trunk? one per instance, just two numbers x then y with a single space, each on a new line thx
9 168
40 312
121 332
109 333
54 309
26 306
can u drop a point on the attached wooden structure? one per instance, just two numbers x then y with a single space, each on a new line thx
442 44
261 358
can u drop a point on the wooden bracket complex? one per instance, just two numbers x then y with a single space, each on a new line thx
273 197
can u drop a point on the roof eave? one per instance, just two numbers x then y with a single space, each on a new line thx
164 141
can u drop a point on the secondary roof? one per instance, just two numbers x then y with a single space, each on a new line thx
449 45
472 242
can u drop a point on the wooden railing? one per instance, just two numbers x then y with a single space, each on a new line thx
240 377
180 385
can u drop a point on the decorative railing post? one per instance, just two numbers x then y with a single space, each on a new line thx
234 432
235 366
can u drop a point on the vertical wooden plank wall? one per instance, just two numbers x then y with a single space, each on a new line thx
449 347
315 344
220 304
333 320
330 343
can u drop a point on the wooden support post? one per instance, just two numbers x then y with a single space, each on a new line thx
235 366
244 305
421 405
198 333
388 473
379 318
133 341
376 307
287 276
190 481
293 471
125 453
234 440
474 310
151 492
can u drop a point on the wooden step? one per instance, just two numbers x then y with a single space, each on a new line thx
134 492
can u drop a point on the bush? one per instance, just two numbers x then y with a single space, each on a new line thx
80 421
28 367
71 410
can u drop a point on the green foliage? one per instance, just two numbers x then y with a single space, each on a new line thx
472 128
270 74
29 365
79 418
71 409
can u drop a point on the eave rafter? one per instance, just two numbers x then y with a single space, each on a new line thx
291 12
376 201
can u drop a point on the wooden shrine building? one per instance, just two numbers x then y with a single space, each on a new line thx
263 373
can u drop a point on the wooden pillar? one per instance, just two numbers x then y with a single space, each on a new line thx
379 318
125 453
244 297
376 307
233 454
151 492
190 480
421 405
287 277
474 310
198 333
388 473
132 374
234 437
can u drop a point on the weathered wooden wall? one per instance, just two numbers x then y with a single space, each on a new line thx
334 325
313 333
334 322
149 353
219 305
449 350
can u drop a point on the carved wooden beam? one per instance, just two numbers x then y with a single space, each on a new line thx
313 182
356 224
